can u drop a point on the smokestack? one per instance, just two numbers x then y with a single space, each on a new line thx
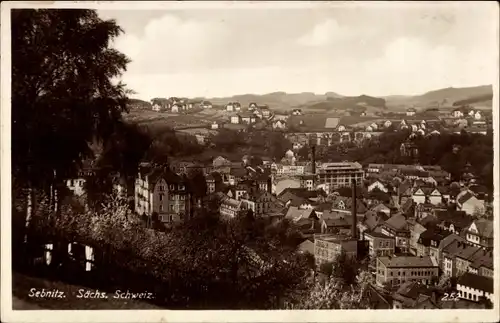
313 159
354 211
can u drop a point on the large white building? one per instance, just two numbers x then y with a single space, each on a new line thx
340 174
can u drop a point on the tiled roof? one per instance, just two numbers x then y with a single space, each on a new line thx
306 246
408 261
380 208
465 197
483 258
340 222
378 235
323 207
484 227
465 251
449 240
433 234
329 214
459 219
397 222
477 282
294 213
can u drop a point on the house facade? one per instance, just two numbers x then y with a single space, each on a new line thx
480 233
394 271
379 244
162 192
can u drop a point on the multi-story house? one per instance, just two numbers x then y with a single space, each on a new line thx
480 233
394 271
307 181
379 244
415 229
397 227
291 170
260 202
482 263
160 191
340 174
266 112
457 257
328 247
473 287
470 204
429 241
230 208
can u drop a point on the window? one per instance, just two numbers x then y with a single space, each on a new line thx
171 208
161 208
161 197
172 187
182 197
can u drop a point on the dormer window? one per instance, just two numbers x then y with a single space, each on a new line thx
181 187
172 187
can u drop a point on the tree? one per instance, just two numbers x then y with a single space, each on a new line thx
345 269
63 96
63 93
444 283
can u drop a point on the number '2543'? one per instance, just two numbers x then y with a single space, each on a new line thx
452 297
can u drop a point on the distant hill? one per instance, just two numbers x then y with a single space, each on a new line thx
352 103
277 100
331 101
475 99
138 104
444 97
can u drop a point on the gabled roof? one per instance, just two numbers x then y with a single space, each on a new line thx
306 246
294 213
433 235
465 197
484 227
380 208
450 239
238 171
459 219
397 222
483 258
477 282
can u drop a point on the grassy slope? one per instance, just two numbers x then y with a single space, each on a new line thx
21 301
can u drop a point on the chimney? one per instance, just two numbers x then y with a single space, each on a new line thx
354 211
313 159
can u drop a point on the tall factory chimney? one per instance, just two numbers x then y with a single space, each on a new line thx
354 211
313 159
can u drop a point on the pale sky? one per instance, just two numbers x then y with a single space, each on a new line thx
381 50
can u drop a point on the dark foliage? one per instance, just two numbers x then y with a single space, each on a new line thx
62 93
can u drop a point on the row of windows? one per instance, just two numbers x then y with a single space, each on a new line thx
418 273
173 208
172 187
384 244
174 197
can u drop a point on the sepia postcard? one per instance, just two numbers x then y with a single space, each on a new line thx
250 161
